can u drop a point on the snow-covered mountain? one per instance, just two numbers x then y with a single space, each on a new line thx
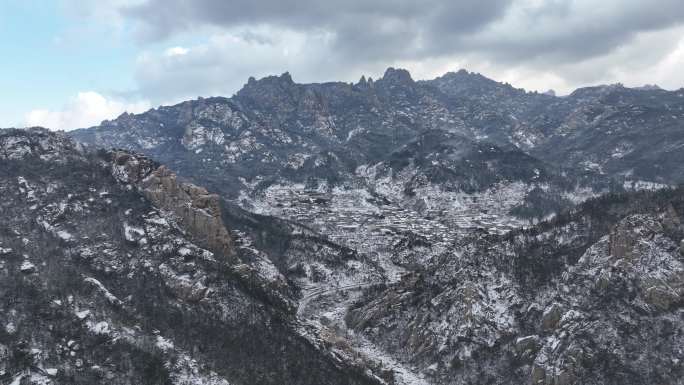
113 271
592 297
448 231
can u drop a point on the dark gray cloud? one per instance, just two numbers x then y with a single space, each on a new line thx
506 30
189 48
536 44
559 31
367 29
165 17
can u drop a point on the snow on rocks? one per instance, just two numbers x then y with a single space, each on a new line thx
27 267
164 344
10 328
101 328
111 298
64 236
134 234
82 314
185 286
528 345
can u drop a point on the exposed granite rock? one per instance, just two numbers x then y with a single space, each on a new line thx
662 297
528 345
38 142
198 211
551 317
622 242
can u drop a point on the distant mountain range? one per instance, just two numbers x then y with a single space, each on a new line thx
276 128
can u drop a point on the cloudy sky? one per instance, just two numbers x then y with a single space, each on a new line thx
72 63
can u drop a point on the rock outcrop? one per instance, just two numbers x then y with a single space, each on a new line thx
38 143
199 214
551 317
198 211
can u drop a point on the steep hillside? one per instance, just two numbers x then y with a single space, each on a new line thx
115 271
593 297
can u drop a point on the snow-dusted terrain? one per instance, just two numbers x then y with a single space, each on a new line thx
450 231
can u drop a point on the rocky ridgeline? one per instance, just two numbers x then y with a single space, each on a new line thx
38 143
275 128
277 131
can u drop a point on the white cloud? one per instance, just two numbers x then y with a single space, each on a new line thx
85 110
177 51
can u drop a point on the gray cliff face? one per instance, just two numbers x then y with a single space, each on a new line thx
198 211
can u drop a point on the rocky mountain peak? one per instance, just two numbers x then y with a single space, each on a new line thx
649 87
461 74
397 76
37 142
269 91
597 91
284 80
471 84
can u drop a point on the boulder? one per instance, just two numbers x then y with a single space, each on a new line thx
528 345
564 377
661 297
538 375
27 267
551 316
